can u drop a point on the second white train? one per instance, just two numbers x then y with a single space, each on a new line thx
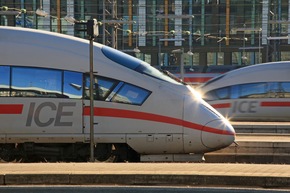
259 92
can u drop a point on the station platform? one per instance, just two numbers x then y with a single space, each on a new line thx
261 127
149 174
256 142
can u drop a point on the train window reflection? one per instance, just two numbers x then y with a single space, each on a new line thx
209 96
223 93
218 94
131 94
286 88
235 92
103 87
4 80
274 90
72 85
255 90
36 82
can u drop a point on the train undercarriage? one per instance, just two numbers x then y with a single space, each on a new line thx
77 152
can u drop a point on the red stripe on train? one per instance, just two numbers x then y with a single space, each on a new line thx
222 105
263 104
275 104
120 113
197 79
109 112
11 108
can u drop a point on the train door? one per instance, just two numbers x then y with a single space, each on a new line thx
103 88
103 127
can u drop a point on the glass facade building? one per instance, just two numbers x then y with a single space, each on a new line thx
168 32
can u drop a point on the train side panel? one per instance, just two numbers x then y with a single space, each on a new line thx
259 92
272 109
49 120
146 128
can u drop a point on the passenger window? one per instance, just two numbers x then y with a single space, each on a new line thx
4 81
36 82
103 87
210 96
72 85
131 94
218 94
87 87
274 90
285 86
235 91
223 93
255 90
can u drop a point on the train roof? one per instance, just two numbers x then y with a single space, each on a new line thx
265 72
38 48
31 47
35 36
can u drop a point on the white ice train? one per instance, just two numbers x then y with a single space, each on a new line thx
259 92
140 114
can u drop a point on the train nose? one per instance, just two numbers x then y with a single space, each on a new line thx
217 134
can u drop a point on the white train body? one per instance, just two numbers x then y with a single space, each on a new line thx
44 101
256 93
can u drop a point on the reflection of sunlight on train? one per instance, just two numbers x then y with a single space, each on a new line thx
256 93
197 94
141 114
